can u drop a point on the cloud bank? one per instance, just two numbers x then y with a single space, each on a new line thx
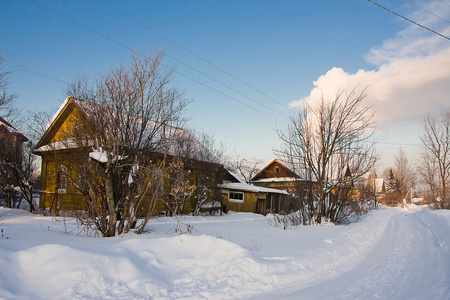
411 76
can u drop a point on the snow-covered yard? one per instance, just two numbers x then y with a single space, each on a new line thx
392 253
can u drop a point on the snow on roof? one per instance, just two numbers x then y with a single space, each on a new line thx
58 145
99 156
235 176
176 141
277 179
240 186
58 112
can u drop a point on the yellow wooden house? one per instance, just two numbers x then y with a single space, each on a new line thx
62 161
239 196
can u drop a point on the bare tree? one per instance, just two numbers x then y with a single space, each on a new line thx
7 109
197 181
322 141
131 117
20 174
435 158
245 168
17 167
404 173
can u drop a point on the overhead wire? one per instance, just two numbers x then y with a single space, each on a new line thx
428 12
236 138
46 76
174 58
31 71
168 67
192 53
398 144
409 20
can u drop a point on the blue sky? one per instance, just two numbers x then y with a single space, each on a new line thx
286 51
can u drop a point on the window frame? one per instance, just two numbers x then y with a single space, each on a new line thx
62 180
236 200
157 186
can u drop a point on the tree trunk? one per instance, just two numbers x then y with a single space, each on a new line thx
111 227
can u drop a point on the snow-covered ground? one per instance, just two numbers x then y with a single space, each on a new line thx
392 253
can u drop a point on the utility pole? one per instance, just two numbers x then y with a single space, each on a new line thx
411 195
374 183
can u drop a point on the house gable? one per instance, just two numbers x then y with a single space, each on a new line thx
60 123
65 126
275 169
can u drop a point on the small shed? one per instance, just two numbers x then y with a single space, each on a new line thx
243 197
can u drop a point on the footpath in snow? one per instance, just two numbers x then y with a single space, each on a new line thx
391 253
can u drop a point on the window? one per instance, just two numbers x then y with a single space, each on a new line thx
177 182
277 169
236 197
62 180
83 175
157 182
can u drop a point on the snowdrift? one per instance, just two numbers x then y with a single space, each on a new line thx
230 257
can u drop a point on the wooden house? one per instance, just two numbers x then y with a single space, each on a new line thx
239 196
11 141
11 153
63 161
278 175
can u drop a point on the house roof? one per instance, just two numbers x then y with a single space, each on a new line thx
6 124
12 130
61 114
277 179
244 187
193 149
235 176
295 175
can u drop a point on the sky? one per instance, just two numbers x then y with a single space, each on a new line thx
245 65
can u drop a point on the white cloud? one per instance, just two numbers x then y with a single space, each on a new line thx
412 75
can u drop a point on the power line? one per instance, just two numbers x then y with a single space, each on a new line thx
194 54
428 12
170 68
398 144
174 58
236 138
409 20
34 72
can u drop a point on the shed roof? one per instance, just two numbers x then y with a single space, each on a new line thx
244 187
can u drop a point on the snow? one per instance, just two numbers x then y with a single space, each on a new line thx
391 253
241 186
58 145
235 176
416 200
58 112
100 156
277 179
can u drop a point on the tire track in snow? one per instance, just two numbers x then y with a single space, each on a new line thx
410 261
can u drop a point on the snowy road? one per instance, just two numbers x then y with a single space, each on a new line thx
410 261
391 253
